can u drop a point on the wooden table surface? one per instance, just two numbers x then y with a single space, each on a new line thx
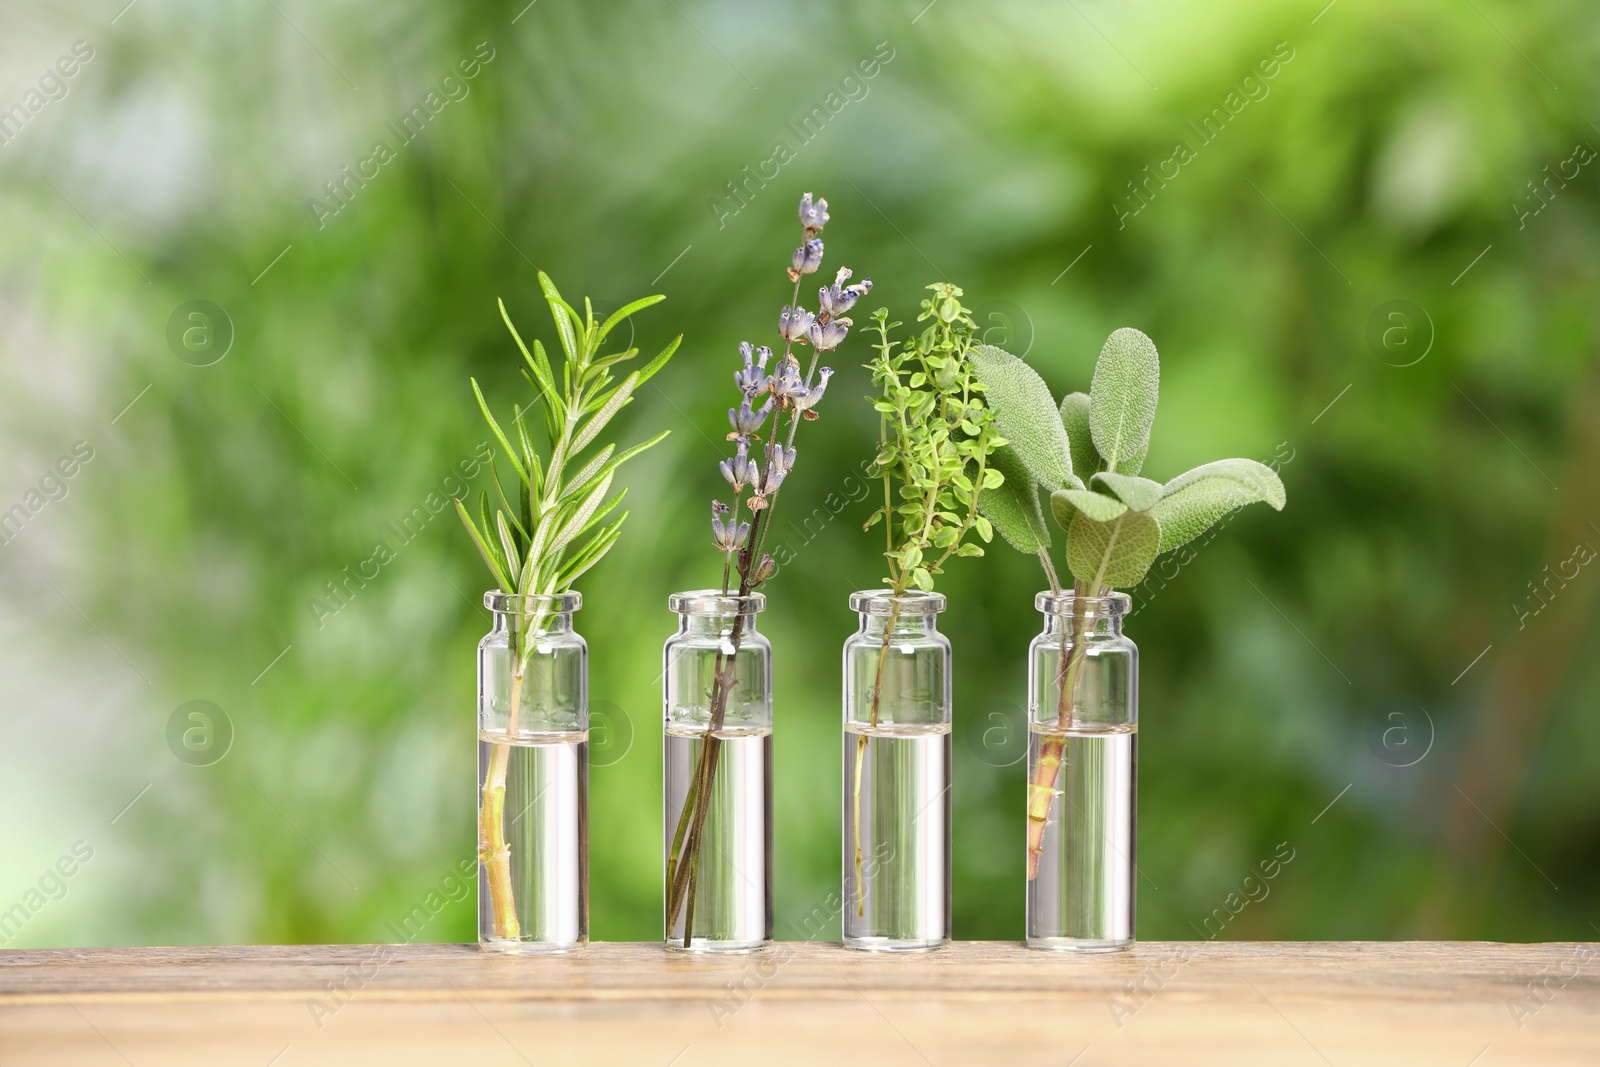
1172 1003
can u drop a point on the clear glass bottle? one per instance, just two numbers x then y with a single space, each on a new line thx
896 774
533 776
717 709
1082 775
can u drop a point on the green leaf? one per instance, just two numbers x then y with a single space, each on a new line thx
511 453
1116 553
589 470
1065 504
610 407
539 363
623 312
1075 420
511 512
1192 502
590 554
575 525
509 545
1025 413
1122 398
566 318
660 361
1014 506
1140 494
484 550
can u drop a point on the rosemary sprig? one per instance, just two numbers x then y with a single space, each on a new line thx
557 526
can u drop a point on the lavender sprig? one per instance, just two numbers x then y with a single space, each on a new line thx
785 389
793 395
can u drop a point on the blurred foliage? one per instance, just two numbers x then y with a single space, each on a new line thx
1293 656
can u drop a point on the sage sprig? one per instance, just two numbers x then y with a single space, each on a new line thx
1087 453
558 523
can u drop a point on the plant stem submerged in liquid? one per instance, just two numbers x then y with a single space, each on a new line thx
546 828
1083 896
733 866
902 901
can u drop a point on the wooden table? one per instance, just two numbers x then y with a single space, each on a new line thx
1171 1003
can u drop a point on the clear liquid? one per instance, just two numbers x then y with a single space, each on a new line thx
547 831
1083 896
733 871
902 902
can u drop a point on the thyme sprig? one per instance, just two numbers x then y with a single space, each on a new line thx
935 437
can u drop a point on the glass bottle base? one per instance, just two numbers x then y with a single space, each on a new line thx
701 946
1079 944
509 947
895 944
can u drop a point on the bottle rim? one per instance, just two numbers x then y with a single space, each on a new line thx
1112 606
882 602
532 603
715 603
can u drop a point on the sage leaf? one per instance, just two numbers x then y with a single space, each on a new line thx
1140 494
1025 413
1116 553
1014 506
1065 504
1075 420
1193 501
1122 397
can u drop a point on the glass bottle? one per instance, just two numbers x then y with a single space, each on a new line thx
533 776
717 710
1082 775
896 774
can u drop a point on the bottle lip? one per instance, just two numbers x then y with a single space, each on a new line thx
532 604
882 602
714 602
1113 606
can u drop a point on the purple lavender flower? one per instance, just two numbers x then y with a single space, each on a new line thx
745 422
809 400
808 257
826 336
838 298
741 469
753 380
765 568
728 535
793 323
771 480
787 383
813 216
779 458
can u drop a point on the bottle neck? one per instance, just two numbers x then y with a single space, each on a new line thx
696 624
905 623
1090 623
551 622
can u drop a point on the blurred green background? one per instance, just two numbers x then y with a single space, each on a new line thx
1368 677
